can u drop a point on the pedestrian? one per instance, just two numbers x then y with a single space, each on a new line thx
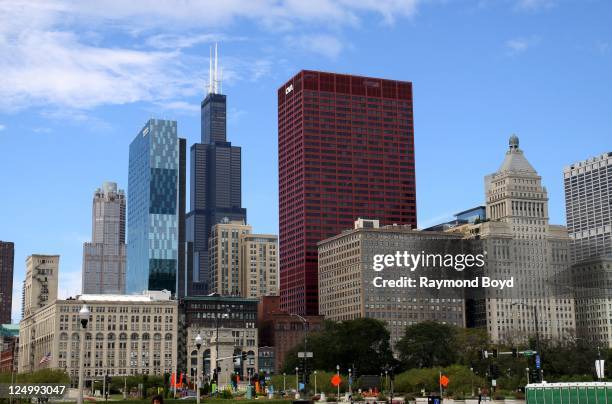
157 399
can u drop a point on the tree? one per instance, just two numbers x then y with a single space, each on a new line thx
428 344
361 344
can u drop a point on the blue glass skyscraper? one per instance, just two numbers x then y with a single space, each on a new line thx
153 208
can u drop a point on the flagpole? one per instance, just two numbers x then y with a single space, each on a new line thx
440 383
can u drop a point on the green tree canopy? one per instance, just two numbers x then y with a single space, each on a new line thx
429 344
361 344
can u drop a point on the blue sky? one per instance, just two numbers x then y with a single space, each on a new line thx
79 79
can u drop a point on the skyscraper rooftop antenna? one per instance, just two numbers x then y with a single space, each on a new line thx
210 72
214 77
216 69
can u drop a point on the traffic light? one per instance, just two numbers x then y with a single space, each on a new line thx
494 371
107 379
534 375
515 352
495 352
243 356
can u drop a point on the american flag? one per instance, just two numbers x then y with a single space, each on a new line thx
46 358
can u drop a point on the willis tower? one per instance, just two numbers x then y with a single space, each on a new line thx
215 184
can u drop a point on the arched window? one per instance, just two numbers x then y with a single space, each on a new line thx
64 336
111 336
122 336
145 336
157 336
99 336
168 337
134 336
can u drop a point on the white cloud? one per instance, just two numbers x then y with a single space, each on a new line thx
322 44
56 53
2 127
519 45
55 68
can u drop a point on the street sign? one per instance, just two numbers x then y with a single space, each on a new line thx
537 360
493 382
529 353
307 354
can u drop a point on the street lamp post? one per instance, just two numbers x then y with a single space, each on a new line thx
84 314
198 343
284 384
386 379
305 324
223 315
338 373
297 383
315 375
472 377
527 371
350 381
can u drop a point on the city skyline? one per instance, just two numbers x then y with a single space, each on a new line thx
452 151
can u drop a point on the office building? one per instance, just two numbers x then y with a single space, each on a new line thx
279 332
520 242
590 280
266 362
215 182
104 258
347 289
40 283
259 265
224 255
346 150
9 340
227 326
588 206
184 276
125 335
154 202
7 261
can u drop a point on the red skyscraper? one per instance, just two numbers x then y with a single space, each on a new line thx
346 150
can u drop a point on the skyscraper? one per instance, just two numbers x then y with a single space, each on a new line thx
40 283
215 182
154 201
104 258
346 150
520 242
7 261
588 206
